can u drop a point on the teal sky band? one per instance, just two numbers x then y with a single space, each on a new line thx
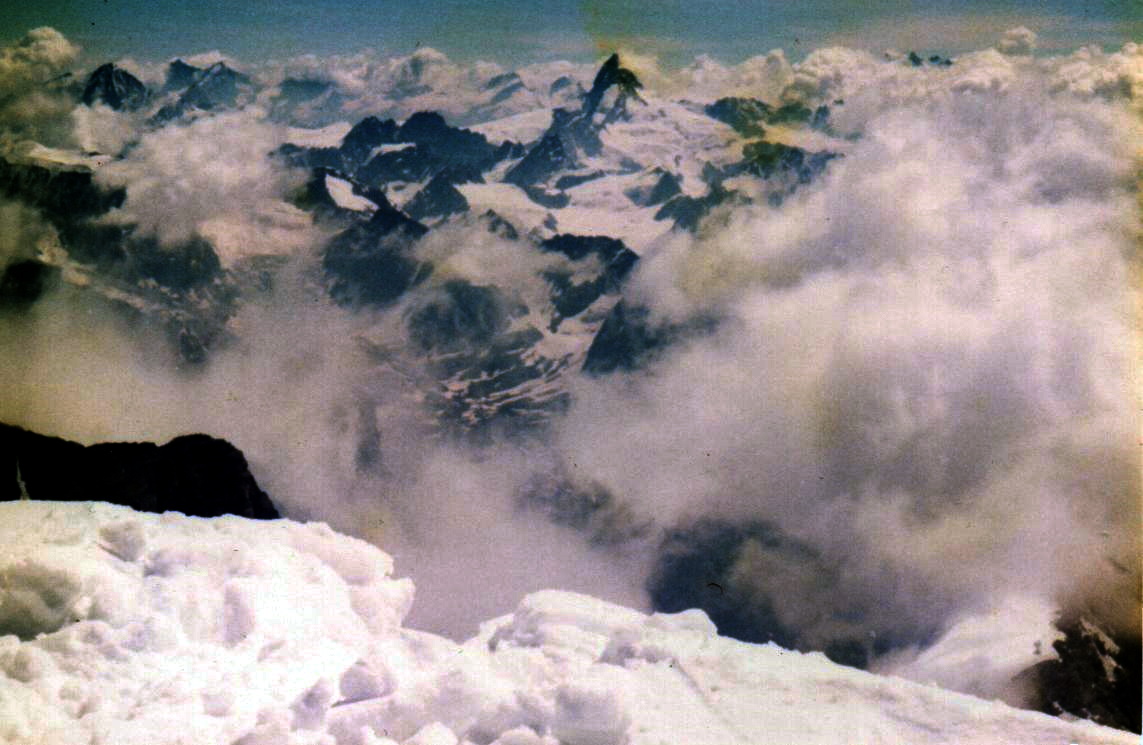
514 33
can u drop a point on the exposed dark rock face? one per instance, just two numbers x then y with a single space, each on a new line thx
366 135
574 132
549 156
194 474
747 115
181 76
459 315
116 88
696 569
611 73
180 268
578 247
666 187
560 83
497 225
743 114
936 60
424 147
439 198
371 263
217 87
1096 675
572 180
429 129
480 345
624 341
62 194
764 159
630 339
316 198
23 282
693 571
552 200
615 258
506 92
184 287
67 198
436 149
501 80
300 90
503 87
687 212
785 168
297 156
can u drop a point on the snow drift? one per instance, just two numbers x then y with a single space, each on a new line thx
124 627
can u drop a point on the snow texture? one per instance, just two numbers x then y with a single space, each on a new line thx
123 627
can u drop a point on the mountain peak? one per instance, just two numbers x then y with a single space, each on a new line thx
114 87
181 75
612 73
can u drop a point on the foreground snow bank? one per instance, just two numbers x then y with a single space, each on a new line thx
124 627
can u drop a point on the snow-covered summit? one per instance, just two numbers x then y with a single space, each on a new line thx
117 626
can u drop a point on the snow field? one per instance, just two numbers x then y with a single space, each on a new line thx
122 627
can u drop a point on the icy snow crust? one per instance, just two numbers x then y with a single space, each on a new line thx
122 627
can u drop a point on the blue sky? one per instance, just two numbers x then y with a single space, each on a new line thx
516 32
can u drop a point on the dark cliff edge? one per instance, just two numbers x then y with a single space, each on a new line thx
194 474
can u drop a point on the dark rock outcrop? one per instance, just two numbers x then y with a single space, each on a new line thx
116 88
1095 676
696 569
217 87
193 474
687 212
316 197
559 84
300 90
366 135
573 132
457 316
784 168
371 263
666 187
183 287
571 299
744 115
590 508
23 282
764 159
549 156
63 194
439 198
497 225
631 338
612 74
181 76
747 115
693 571
435 149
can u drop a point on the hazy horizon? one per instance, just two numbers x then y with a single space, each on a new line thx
512 34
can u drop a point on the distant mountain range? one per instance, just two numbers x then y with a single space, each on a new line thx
612 170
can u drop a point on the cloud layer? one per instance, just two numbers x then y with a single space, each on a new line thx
923 364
